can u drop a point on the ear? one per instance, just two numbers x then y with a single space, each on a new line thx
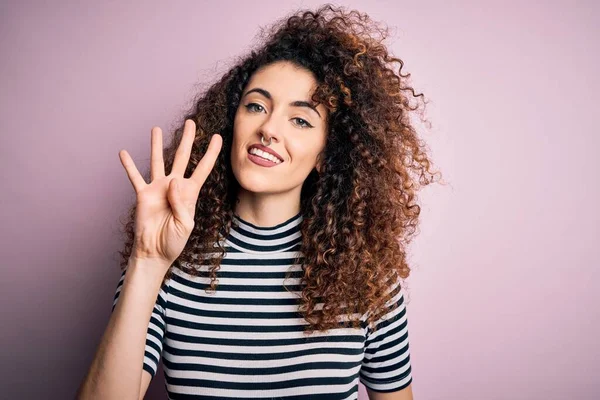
319 164
318 168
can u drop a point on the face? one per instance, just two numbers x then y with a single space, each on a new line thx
276 104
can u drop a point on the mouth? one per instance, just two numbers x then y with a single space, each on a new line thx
266 153
263 162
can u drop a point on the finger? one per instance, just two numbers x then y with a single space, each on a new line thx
157 164
207 162
180 211
134 175
182 156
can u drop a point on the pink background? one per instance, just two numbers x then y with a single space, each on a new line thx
503 301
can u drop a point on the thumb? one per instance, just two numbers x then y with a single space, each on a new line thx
174 196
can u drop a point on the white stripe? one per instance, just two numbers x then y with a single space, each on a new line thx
332 339
281 255
266 378
243 268
225 294
386 386
260 335
263 349
242 394
258 364
150 363
261 242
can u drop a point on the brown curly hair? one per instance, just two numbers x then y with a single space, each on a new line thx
359 212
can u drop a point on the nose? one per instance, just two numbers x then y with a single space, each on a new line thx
270 129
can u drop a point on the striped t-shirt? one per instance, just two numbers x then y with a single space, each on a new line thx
246 340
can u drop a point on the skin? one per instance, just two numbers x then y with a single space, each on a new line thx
404 394
269 196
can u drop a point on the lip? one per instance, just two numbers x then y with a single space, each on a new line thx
266 150
261 161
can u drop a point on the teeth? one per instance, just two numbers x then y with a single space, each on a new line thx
264 155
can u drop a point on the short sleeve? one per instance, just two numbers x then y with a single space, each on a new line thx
386 363
156 327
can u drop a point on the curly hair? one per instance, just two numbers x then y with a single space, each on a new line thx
360 210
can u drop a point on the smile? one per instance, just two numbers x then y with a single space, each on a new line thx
262 161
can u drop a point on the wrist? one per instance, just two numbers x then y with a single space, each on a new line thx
150 270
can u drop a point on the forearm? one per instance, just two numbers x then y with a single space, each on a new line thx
116 370
404 394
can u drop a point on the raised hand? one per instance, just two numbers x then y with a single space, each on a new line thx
166 206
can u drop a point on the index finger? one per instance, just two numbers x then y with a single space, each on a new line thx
207 162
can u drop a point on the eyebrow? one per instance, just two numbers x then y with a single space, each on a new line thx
297 103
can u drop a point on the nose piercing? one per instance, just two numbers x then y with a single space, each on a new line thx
262 140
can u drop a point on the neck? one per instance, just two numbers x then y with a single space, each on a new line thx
267 209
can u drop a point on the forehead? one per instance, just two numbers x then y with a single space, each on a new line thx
284 80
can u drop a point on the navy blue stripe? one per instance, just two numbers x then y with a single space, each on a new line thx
391 343
236 328
261 356
393 367
266 229
151 356
312 396
149 369
251 262
259 371
384 324
234 314
366 382
238 301
252 275
303 382
254 247
266 342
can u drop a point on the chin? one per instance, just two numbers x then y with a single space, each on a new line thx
254 182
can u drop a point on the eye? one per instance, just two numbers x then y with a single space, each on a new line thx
303 123
252 107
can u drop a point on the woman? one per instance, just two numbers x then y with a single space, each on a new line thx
266 261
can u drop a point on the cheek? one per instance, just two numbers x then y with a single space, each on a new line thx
305 153
238 120
243 127
238 132
236 125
